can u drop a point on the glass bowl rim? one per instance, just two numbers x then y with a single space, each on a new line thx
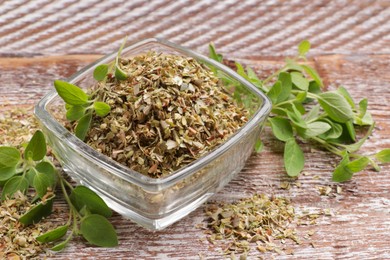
124 172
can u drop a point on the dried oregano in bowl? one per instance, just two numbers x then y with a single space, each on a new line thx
168 111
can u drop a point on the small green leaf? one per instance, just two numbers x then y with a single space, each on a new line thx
296 117
70 93
275 91
49 172
41 184
101 108
314 87
313 74
281 128
285 79
53 235
97 230
356 146
294 159
120 74
7 172
39 211
36 148
351 130
75 113
363 107
60 246
16 183
358 164
83 197
9 156
336 106
213 54
83 125
241 71
383 156
253 78
334 132
344 92
299 81
100 72
303 48
259 146
316 128
312 114
342 173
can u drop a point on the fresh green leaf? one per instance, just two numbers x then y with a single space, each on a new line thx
313 74
7 172
38 212
60 246
299 81
296 117
30 176
41 184
300 97
316 128
366 120
100 72
303 48
351 130
259 146
291 65
9 156
356 146
213 54
120 74
294 159
342 173
336 106
281 128
344 92
97 230
36 148
70 93
49 172
101 108
83 125
358 164
275 91
83 197
75 112
253 78
383 156
53 235
285 79
314 87
312 114
16 183
241 71
363 107
334 132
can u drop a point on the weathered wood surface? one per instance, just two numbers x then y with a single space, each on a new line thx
44 40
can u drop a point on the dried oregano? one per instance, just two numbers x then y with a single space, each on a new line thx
168 111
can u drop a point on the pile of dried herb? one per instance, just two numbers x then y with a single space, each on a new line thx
166 112
258 220
17 240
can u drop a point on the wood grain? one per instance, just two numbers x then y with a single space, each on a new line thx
41 41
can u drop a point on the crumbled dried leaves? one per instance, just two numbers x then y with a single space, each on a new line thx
16 240
258 221
170 111
17 125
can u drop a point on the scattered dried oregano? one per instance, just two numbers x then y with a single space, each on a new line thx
256 221
166 111
18 241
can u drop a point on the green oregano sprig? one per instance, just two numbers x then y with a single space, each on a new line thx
302 111
79 106
32 169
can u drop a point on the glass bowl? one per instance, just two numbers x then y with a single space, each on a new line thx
153 203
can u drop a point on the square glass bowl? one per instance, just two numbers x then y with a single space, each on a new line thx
153 203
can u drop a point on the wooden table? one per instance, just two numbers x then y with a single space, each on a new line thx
44 40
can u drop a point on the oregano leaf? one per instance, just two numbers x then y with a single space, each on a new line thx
294 160
100 72
9 156
313 74
7 172
83 125
336 106
303 48
53 235
16 183
299 81
75 112
82 196
98 231
36 148
70 93
358 164
281 128
101 108
383 156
